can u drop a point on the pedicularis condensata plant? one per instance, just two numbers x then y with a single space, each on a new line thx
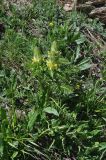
50 62
52 103
45 67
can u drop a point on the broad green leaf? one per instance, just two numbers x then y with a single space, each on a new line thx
67 89
51 110
75 37
102 146
64 61
85 64
95 132
80 40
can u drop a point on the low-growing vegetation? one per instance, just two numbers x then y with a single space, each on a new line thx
52 83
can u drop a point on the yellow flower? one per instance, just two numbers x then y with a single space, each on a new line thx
51 65
51 24
36 59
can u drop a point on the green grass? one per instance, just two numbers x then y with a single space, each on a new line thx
52 84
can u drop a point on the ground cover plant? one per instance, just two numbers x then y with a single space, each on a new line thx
52 83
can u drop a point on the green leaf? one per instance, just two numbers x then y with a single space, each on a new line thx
64 61
67 89
51 110
95 132
32 118
1 145
3 113
85 64
77 53
14 144
102 146
54 47
75 37
14 155
37 51
80 40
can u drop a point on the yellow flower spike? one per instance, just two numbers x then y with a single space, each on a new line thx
51 65
36 59
53 57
